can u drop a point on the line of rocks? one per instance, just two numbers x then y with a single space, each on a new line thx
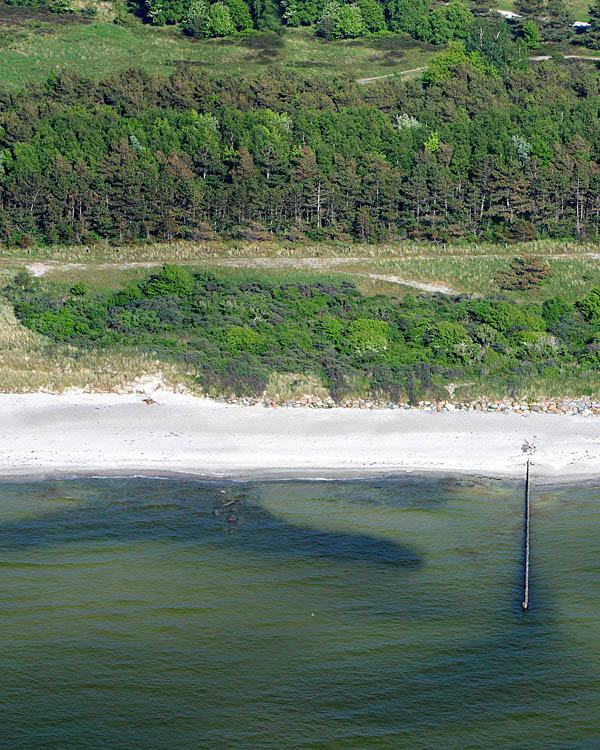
584 406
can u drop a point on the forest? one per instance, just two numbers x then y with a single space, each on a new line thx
483 145
232 334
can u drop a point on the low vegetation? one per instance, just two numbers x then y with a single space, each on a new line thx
571 269
246 336
36 44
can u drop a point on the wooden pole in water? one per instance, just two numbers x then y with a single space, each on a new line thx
527 518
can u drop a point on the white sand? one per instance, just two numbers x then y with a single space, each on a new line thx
50 435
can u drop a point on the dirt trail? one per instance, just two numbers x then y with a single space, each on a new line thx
41 269
324 264
580 57
388 75
534 58
424 286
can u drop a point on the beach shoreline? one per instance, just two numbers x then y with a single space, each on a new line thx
183 436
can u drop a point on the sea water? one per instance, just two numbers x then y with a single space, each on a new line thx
345 615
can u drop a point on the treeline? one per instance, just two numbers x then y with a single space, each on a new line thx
332 18
234 334
465 152
431 21
428 21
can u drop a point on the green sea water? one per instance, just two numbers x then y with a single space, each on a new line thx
147 614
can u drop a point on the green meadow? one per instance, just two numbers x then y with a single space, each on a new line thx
34 44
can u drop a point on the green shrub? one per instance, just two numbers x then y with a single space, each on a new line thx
554 309
171 279
290 336
496 313
367 335
78 290
590 306
330 327
242 339
445 335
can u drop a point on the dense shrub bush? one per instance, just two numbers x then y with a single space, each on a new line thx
234 334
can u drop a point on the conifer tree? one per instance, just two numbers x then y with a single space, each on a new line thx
558 21
592 35
530 9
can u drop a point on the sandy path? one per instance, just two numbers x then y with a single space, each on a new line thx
43 434
424 286
323 264
388 75
534 58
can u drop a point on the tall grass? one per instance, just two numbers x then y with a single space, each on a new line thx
575 267
557 387
187 251
293 386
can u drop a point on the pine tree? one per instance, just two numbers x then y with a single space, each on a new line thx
482 7
592 35
557 24
531 34
530 9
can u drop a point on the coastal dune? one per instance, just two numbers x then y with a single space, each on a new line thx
104 434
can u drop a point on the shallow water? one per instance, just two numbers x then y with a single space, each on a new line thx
342 615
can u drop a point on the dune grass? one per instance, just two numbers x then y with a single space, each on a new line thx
184 251
28 362
570 277
292 386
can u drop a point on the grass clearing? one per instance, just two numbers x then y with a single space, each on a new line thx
37 44
570 277
579 7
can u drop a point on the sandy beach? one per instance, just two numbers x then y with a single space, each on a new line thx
104 434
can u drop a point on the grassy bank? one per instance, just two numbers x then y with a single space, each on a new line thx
34 44
388 268
31 362
183 251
